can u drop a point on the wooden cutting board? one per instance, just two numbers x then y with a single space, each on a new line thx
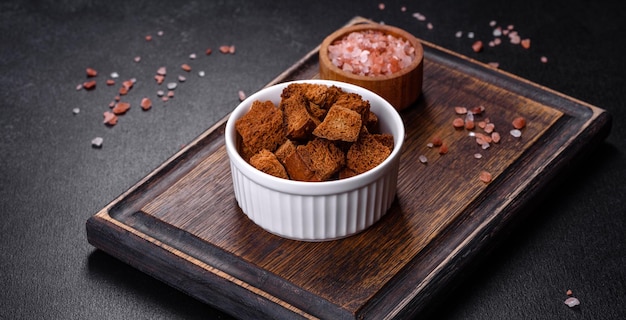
181 223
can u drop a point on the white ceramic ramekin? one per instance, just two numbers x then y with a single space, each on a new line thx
316 211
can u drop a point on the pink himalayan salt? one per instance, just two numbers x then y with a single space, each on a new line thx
371 53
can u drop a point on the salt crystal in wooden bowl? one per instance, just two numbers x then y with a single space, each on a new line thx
401 88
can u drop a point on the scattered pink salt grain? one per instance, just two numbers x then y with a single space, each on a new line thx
458 123
185 67
146 103
121 108
571 302
478 109
88 85
381 6
495 137
422 158
91 72
137 59
543 59
477 46
436 141
525 43
419 16
148 38
242 95
514 38
162 71
227 49
208 51
489 127
460 110
97 142
485 177
371 53
110 118
429 26
519 123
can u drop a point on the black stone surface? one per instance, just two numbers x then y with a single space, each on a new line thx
52 180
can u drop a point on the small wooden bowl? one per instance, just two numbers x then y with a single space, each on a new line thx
401 89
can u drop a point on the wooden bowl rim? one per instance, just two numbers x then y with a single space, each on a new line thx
395 31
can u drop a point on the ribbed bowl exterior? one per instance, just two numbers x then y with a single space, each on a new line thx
316 217
316 211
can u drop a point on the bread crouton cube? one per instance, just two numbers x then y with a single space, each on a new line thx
366 153
298 122
322 157
260 128
285 150
371 123
317 112
354 102
319 94
267 162
340 124
298 170
386 139
346 172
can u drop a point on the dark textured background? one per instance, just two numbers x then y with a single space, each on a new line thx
52 180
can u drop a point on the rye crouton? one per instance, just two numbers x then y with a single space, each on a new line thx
321 95
340 124
260 128
267 162
354 102
322 157
298 122
297 168
285 150
366 153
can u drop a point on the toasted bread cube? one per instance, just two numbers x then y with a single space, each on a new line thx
386 139
267 162
354 102
260 128
340 124
285 150
297 168
366 154
322 157
298 122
